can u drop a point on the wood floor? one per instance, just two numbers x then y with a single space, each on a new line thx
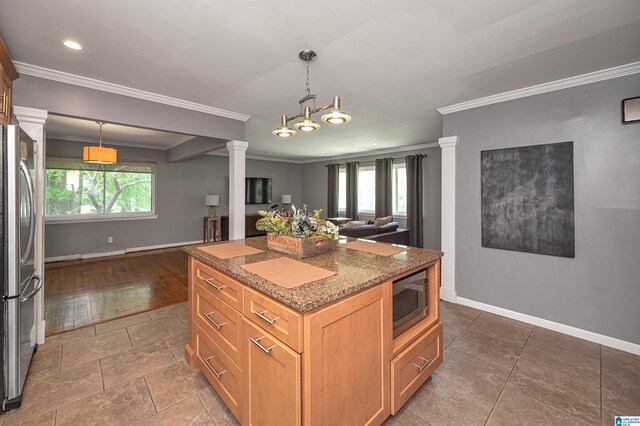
85 292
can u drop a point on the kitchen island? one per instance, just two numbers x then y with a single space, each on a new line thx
319 353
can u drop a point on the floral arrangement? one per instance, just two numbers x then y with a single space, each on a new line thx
298 223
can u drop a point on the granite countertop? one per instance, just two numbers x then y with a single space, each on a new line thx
356 270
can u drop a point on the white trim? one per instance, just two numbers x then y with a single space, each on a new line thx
237 173
448 214
255 157
118 252
63 220
107 142
104 86
373 153
612 342
565 83
449 295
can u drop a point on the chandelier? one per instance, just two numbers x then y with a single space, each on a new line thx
336 116
99 154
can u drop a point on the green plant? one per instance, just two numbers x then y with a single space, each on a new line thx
297 223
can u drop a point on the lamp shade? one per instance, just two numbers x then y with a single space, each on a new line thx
99 155
212 200
285 199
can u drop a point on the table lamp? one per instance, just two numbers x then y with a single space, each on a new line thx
212 201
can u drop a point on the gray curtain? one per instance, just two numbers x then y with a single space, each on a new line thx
414 199
333 173
384 178
352 190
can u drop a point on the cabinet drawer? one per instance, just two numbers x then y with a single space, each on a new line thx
414 365
223 287
282 322
220 321
225 377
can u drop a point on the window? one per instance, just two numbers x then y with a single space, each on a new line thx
76 190
399 189
342 189
367 189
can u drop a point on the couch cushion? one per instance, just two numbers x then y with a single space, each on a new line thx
353 223
382 220
389 227
358 231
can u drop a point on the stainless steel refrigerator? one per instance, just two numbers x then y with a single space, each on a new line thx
21 284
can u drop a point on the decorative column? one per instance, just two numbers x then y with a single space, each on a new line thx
237 150
448 283
33 122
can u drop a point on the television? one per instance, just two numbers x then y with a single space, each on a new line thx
257 190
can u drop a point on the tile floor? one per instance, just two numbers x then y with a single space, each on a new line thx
496 371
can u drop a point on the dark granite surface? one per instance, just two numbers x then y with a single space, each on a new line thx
356 270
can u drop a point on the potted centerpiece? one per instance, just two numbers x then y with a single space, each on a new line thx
298 232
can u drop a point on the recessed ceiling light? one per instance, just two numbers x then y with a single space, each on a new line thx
375 144
72 45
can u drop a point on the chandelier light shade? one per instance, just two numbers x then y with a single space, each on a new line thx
99 154
336 116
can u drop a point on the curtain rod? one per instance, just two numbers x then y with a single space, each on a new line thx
373 161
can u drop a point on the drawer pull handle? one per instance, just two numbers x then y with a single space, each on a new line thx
215 324
217 287
261 316
257 343
206 361
423 366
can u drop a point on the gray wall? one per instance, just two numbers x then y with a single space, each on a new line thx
599 290
180 191
67 99
314 188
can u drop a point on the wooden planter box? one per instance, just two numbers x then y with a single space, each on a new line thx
300 247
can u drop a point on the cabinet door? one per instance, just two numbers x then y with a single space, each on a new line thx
347 360
271 381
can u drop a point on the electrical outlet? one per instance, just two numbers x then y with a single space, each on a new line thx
109 240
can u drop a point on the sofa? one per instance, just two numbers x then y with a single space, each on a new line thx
389 233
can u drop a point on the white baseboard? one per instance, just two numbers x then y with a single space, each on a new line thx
448 295
118 252
40 332
612 342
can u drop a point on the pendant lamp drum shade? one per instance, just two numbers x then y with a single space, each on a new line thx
99 155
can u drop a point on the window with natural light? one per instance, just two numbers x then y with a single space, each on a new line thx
399 189
79 190
367 189
342 190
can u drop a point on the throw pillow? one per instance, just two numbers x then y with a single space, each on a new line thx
382 220
353 223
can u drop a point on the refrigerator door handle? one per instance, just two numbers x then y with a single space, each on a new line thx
35 290
32 219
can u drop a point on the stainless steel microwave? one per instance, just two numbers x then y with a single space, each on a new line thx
410 301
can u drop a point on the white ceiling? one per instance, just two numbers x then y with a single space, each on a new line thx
76 129
392 62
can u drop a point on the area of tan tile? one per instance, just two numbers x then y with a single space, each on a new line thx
48 419
405 418
571 396
121 405
154 331
177 342
516 409
94 348
190 412
441 402
46 358
482 378
621 353
454 324
488 348
133 363
180 310
119 323
500 328
174 383
217 409
51 390
71 336
620 383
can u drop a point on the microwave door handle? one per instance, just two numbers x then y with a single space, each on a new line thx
32 218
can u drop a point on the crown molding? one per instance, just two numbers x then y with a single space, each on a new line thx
83 139
222 152
372 153
103 86
552 86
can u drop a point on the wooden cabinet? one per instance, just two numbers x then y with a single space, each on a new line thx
336 364
347 350
272 389
8 73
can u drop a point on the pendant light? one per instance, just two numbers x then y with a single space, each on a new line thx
99 154
336 116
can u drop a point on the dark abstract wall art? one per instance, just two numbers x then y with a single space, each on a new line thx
527 199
